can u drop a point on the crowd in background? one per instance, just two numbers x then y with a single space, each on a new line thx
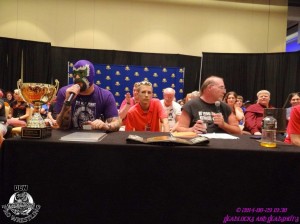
211 109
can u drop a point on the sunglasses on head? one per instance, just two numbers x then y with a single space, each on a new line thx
146 83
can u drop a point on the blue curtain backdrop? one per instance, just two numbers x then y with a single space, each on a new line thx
119 79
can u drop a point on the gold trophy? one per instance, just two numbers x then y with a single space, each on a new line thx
37 94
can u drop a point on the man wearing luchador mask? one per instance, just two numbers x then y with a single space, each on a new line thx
84 103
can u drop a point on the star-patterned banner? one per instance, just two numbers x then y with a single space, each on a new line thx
119 79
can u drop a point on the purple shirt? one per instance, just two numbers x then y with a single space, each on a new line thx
100 104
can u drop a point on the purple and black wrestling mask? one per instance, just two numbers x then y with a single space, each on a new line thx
83 73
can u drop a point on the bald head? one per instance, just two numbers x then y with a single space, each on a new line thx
213 89
212 80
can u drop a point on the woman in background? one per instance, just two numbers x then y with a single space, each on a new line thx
231 98
19 111
9 97
294 100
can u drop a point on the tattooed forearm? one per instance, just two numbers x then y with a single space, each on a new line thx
114 123
64 117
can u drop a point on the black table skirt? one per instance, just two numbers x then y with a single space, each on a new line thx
115 182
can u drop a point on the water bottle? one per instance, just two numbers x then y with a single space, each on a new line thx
269 126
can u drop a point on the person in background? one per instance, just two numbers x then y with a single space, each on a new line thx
293 128
188 97
44 110
148 114
201 115
294 100
172 108
3 126
19 111
9 97
231 99
51 115
84 104
181 102
195 95
1 94
255 113
240 103
128 102
246 104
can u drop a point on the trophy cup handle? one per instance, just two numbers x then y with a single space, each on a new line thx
56 85
19 83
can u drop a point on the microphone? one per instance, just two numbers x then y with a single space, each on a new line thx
217 104
72 95
287 100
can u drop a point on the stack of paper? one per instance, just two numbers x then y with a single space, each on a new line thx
84 136
219 136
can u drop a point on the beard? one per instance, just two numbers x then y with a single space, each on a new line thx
83 83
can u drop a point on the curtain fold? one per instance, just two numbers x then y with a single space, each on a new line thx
10 63
36 62
244 73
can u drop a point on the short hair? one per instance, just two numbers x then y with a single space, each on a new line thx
169 90
143 83
240 97
195 94
263 92
136 84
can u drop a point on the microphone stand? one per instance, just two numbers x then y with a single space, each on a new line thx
287 100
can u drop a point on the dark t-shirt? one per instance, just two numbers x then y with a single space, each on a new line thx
2 111
199 109
100 104
18 110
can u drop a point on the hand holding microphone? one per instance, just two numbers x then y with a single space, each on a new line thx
217 104
218 116
73 92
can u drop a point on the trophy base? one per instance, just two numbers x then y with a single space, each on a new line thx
37 133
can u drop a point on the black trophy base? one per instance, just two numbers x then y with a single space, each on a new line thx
37 133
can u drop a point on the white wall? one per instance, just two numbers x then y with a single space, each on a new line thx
166 26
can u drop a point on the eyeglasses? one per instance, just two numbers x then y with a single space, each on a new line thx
221 87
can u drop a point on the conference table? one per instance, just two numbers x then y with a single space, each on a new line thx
113 181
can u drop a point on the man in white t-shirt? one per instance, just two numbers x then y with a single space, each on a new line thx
172 108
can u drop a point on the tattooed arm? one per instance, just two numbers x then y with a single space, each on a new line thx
64 117
112 124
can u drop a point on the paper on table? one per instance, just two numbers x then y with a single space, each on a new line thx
219 136
84 136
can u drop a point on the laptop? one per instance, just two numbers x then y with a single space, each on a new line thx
280 115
